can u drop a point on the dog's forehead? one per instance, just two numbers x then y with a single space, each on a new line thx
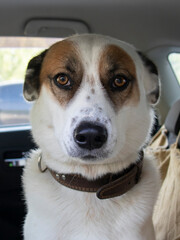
91 47
88 49
61 53
90 59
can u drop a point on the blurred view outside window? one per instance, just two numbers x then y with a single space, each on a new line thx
15 53
174 59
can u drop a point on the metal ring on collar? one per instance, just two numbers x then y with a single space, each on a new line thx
39 164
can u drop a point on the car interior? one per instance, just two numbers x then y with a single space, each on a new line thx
151 26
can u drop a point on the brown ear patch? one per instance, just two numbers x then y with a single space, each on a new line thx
153 91
114 61
32 83
62 58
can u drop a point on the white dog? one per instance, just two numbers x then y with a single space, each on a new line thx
91 117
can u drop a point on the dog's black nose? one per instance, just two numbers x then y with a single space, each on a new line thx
90 136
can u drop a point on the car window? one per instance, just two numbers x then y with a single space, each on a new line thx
15 53
174 59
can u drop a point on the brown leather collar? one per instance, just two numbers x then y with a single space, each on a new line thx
108 186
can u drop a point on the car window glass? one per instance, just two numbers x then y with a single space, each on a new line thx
15 53
174 59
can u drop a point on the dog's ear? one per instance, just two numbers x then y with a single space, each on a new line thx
152 83
32 83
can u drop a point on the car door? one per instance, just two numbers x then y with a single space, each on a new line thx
15 142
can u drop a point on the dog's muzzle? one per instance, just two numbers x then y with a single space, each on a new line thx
89 135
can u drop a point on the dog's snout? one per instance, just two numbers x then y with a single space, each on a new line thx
90 136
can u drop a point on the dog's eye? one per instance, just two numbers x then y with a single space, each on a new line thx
120 82
62 80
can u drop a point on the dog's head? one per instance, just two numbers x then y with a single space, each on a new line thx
93 99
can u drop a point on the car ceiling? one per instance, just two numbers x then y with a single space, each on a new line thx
144 23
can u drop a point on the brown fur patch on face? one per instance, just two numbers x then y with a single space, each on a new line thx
114 61
62 58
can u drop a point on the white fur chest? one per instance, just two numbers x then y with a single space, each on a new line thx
59 213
